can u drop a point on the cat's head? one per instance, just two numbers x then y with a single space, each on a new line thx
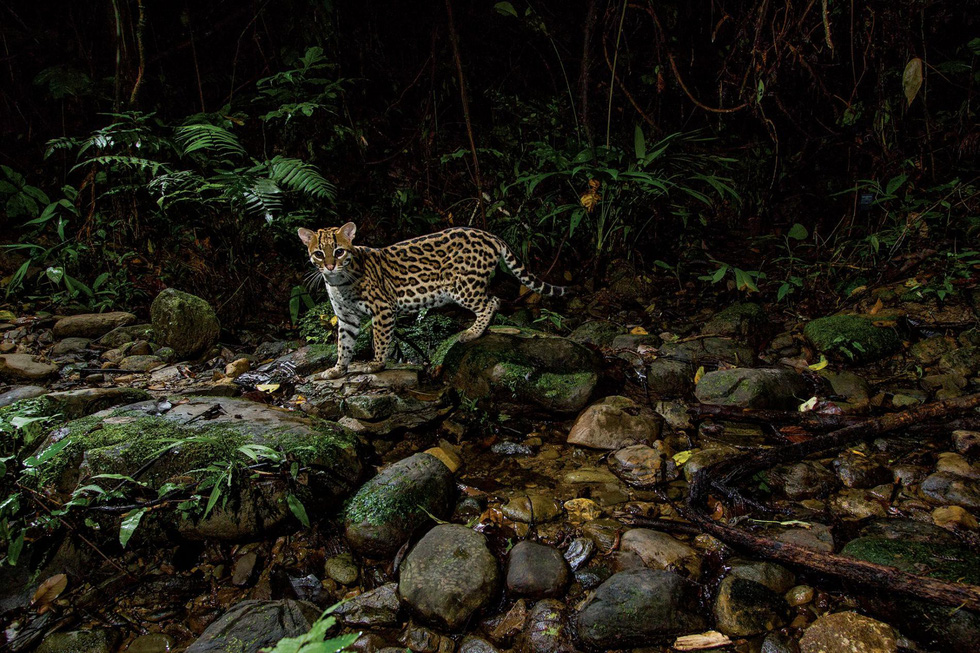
330 249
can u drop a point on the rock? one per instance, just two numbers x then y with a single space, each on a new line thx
598 333
817 537
851 504
19 392
851 338
242 571
546 629
90 325
954 517
943 487
779 643
703 350
848 632
184 322
527 371
741 320
853 390
643 466
579 551
422 640
707 457
377 608
776 577
531 509
387 509
536 571
964 361
929 350
23 367
152 643
666 377
604 532
805 480
310 358
640 607
800 595
581 510
70 346
448 575
634 341
473 644
342 568
97 640
139 348
613 423
72 404
860 471
752 388
249 626
143 363
954 463
126 334
744 608
661 551
965 442
125 439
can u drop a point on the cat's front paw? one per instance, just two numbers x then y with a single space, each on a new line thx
468 336
374 366
334 372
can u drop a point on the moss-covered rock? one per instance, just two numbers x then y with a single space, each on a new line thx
184 322
752 388
387 509
179 446
597 332
851 338
523 369
741 319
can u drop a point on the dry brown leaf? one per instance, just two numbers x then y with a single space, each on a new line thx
50 589
701 641
877 307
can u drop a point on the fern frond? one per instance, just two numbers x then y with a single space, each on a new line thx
202 136
263 198
133 162
300 176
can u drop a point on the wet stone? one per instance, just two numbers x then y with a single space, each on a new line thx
860 471
779 643
848 632
422 640
639 608
852 504
152 643
70 346
644 466
21 392
184 322
954 517
804 480
579 551
140 363
604 532
377 608
98 640
943 487
752 388
531 509
249 626
449 575
799 595
816 538
776 577
744 608
661 551
510 624
536 571
705 458
244 567
967 442
613 423
342 569
23 367
473 644
954 463
90 325
669 378
546 629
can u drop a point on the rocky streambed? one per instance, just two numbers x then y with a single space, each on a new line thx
523 492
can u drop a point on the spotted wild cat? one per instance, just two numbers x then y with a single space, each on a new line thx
449 266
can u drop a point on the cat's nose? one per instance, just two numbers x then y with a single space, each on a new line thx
330 266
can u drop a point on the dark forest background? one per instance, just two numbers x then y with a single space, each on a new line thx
791 147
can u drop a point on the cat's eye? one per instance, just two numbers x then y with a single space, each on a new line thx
317 254
340 251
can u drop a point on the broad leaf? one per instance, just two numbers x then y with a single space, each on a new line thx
912 78
298 510
129 524
798 232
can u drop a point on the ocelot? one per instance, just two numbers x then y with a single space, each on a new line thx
449 266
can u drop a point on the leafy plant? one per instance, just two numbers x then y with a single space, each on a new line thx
313 640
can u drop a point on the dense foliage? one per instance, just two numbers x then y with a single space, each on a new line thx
151 144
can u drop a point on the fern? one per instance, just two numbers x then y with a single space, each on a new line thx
133 162
300 176
209 138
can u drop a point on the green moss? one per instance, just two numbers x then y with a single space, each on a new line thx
851 338
944 561
375 504
554 386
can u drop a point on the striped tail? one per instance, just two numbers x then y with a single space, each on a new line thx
518 270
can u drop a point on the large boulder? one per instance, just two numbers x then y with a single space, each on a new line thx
24 367
521 369
387 509
90 325
448 576
184 322
848 632
613 423
175 444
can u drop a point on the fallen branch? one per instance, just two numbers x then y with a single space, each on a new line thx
721 475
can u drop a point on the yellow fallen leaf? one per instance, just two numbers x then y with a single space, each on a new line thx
698 375
333 321
857 290
682 457
267 387
877 307
808 405
7 316
50 589
590 198
638 331
819 365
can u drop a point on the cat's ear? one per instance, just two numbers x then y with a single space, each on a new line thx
349 230
305 235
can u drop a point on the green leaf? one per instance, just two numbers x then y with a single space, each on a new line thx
639 143
719 274
213 499
298 510
798 232
14 548
129 524
506 9
55 274
894 184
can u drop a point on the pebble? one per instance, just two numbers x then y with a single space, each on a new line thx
644 466
799 595
582 510
536 571
579 552
342 569
854 504
850 632
531 509
954 517
954 463
151 643
967 442
661 551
